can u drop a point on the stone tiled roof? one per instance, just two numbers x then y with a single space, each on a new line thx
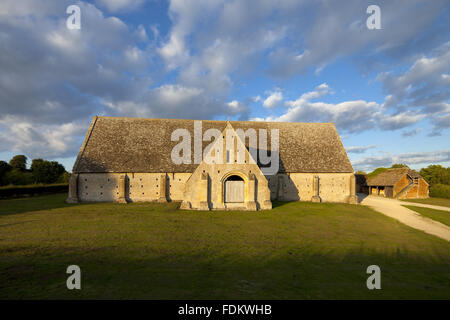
391 176
115 144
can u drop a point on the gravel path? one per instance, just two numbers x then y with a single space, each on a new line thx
415 204
394 208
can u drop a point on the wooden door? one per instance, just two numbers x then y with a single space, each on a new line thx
234 191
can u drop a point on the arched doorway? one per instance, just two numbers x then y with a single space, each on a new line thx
234 189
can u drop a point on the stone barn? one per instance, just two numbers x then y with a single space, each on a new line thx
401 183
211 165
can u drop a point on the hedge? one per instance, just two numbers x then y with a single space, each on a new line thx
440 191
13 192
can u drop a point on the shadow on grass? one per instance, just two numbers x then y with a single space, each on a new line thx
44 202
276 204
293 274
361 196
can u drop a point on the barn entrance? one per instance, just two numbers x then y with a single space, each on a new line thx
234 189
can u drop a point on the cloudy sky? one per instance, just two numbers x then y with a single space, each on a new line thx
387 90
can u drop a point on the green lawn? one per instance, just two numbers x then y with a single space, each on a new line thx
438 215
434 201
154 251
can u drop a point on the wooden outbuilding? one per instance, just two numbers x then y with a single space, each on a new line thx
401 183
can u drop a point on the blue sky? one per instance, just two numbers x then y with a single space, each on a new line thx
387 90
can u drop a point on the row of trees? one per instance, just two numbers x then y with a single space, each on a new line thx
438 178
41 171
433 174
436 174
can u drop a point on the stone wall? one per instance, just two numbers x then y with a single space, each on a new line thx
98 187
105 187
205 188
333 187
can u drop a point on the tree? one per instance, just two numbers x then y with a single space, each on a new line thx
436 174
4 169
399 165
18 177
64 178
19 162
46 171
377 171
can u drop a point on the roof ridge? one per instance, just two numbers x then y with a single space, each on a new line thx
213 120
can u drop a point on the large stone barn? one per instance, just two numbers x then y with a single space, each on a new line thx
401 183
211 165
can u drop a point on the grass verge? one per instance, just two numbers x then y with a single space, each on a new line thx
433 201
438 215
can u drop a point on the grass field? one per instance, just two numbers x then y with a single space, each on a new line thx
438 215
434 201
154 251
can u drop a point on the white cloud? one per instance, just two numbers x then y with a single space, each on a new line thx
222 38
413 158
185 16
411 133
237 108
341 31
371 163
141 33
320 91
37 140
349 116
423 157
50 73
359 149
174 52
410 84
400 120
52 77
423 87
36 7
176 101
273 99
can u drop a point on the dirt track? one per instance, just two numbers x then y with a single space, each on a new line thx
394 209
